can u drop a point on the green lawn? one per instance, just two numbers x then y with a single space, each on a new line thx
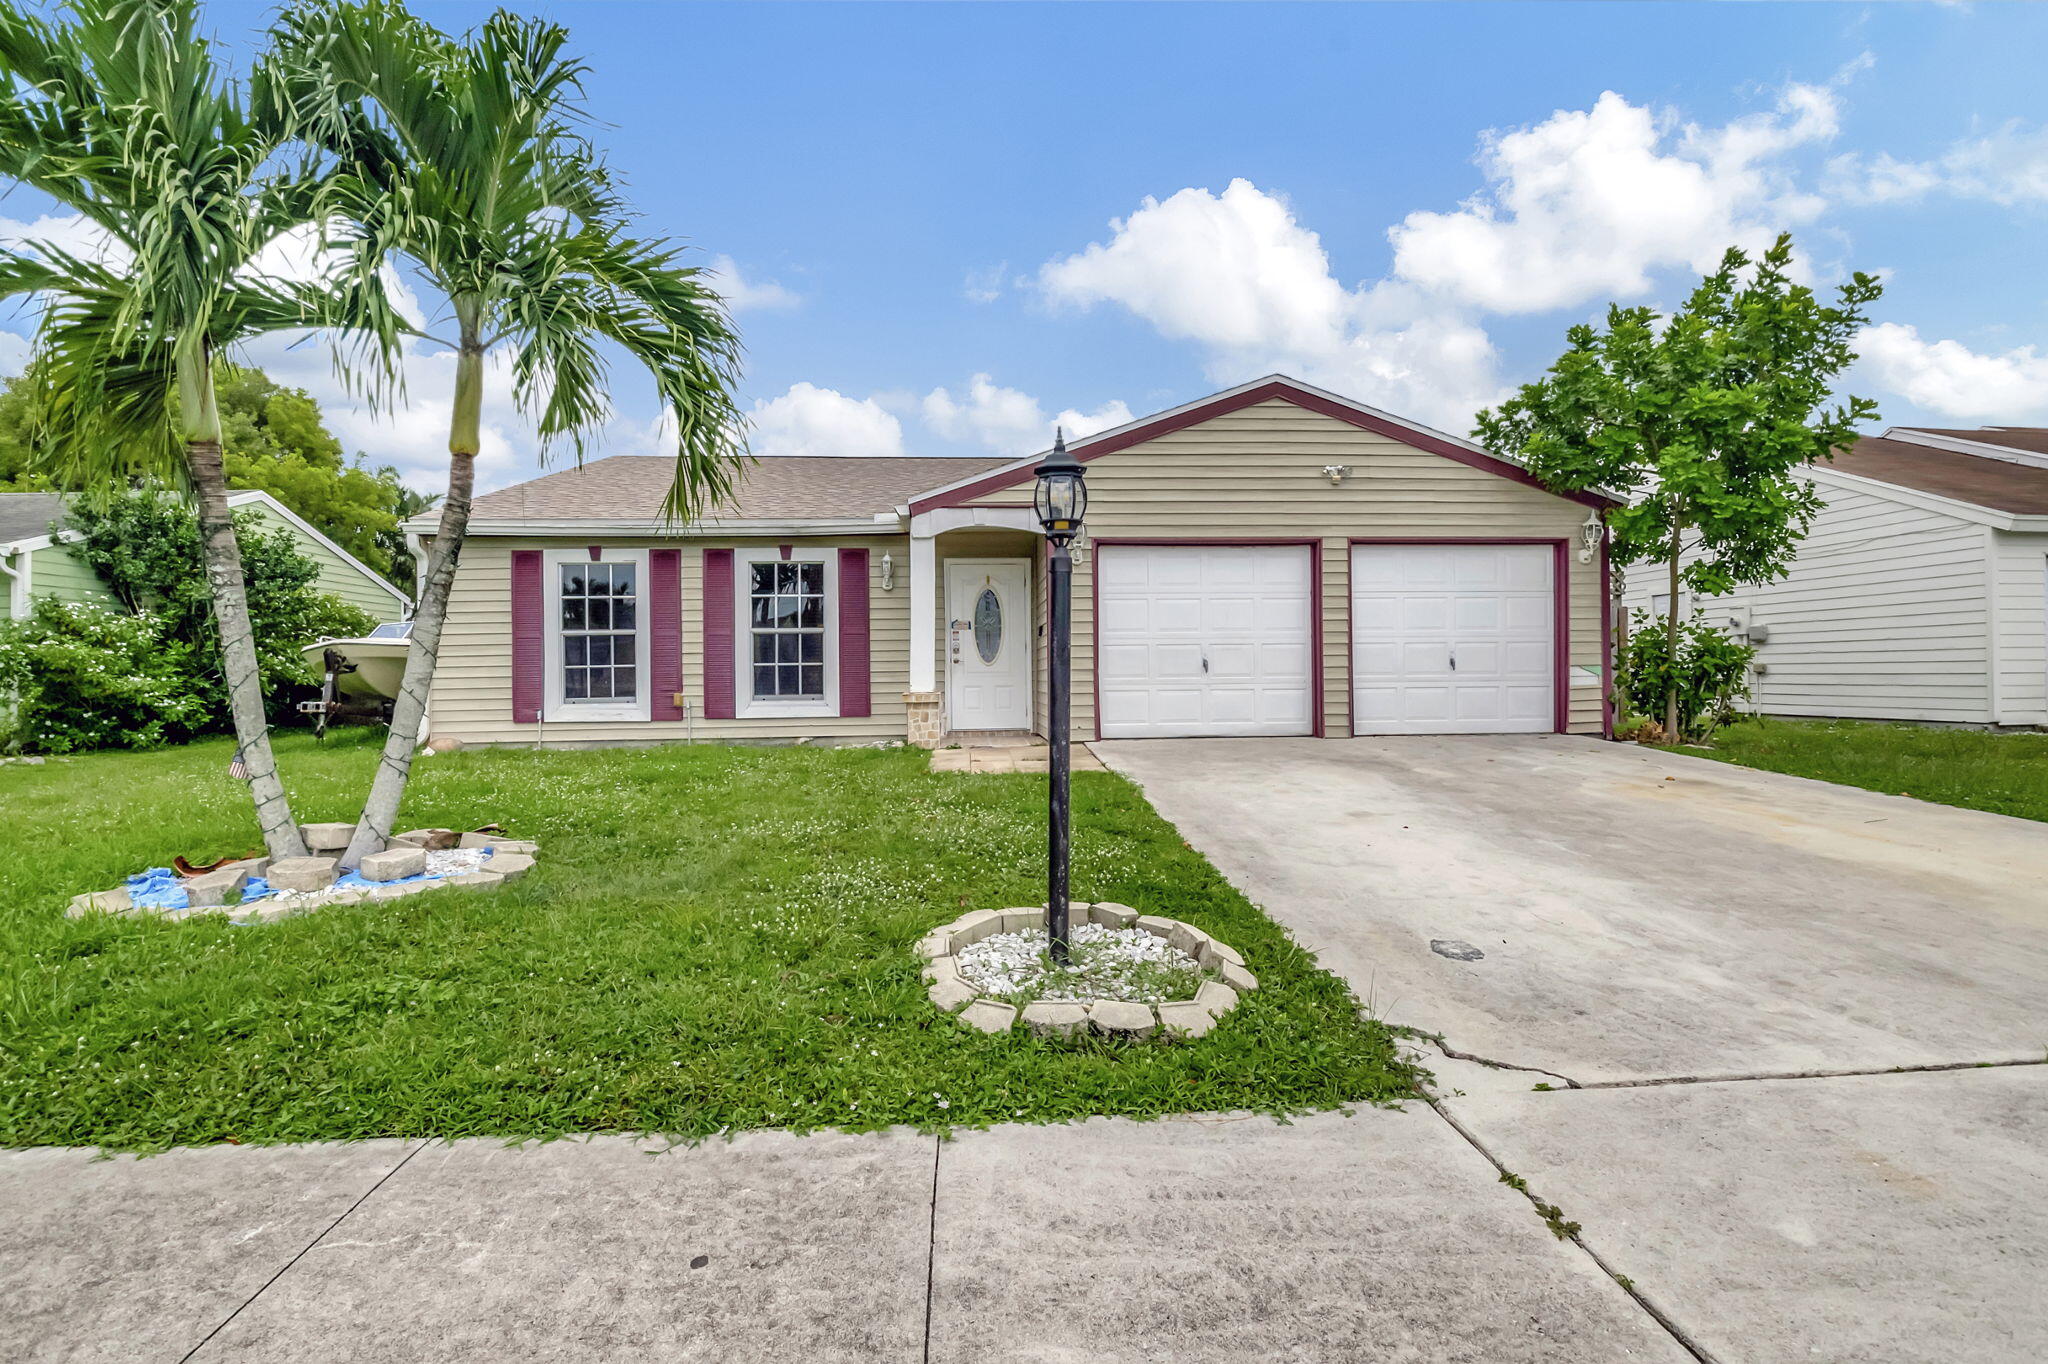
715 938
2003 773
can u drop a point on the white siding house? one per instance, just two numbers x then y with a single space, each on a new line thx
1920 594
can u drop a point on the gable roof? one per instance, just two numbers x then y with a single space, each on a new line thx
27 516
1273 386
2031 439
1981 480
630 488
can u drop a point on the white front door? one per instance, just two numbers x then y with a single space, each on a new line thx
988 643
1204 640
1453 639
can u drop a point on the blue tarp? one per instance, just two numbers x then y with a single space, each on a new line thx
163 888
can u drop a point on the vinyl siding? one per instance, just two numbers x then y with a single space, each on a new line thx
338 577
54 571
472 696
2020 568
1257 473
1883 615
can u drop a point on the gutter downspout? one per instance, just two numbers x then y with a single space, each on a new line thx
17 585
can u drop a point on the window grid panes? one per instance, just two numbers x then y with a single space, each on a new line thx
600 621
786 612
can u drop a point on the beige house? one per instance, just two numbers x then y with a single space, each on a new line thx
1270 560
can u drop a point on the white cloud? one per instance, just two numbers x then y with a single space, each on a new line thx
1010 421
1590 204
744 295
808 420
1237 274
1949 378
985 286
2009 166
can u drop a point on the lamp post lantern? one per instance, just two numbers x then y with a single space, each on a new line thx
1061 502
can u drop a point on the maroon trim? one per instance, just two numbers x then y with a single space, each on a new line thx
596 553
1315 591
1561 602
854 690
529 609
1107 444
718 641
1560 596
787 550
1607 698
665 632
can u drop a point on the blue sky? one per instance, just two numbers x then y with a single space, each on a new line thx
949 226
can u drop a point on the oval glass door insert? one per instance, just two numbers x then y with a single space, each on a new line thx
988 625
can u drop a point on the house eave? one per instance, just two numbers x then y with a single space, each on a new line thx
881 523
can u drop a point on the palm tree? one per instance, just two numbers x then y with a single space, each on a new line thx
466 167
122 115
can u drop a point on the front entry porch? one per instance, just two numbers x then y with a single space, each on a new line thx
975 628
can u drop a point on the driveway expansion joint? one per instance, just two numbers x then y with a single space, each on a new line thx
1623 1282
1932 1066
1454 1054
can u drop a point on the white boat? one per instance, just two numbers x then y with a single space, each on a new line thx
369 667
361 675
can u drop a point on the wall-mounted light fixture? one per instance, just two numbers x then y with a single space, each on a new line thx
888 573
1590 535
1336 473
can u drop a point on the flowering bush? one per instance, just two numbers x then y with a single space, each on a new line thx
81 676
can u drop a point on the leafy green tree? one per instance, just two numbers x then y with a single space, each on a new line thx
148 550
273 438
118 111
1711 675
20 470
459 160
1700 422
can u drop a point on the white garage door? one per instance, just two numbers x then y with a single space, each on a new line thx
1203 640
1452 639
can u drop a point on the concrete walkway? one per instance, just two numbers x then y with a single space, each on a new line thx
1662 943
1379 1236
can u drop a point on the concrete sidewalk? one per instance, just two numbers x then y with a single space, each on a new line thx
1381 1235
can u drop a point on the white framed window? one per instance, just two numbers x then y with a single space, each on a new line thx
596 641
787 653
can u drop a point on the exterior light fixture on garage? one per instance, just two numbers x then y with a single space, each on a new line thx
1336 473
1590 535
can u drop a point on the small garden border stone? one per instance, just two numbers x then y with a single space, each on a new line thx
404 867
1188 1018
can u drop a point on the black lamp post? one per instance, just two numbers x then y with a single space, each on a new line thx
1061 502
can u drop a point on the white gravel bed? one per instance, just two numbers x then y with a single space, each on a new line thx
1108 963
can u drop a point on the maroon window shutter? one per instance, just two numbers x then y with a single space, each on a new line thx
665 632
854 694
718 643
529 611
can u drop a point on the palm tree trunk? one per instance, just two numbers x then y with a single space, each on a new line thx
238 648
423 647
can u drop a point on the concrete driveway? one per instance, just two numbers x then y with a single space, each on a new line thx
1674 997
1642 916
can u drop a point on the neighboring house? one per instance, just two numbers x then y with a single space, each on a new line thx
1270 560
36 564
1921 592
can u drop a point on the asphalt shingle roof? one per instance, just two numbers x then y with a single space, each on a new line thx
1980 480
2032 439
23 516
777 488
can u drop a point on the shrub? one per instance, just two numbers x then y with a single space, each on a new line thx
81 676
1712 673
148 672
